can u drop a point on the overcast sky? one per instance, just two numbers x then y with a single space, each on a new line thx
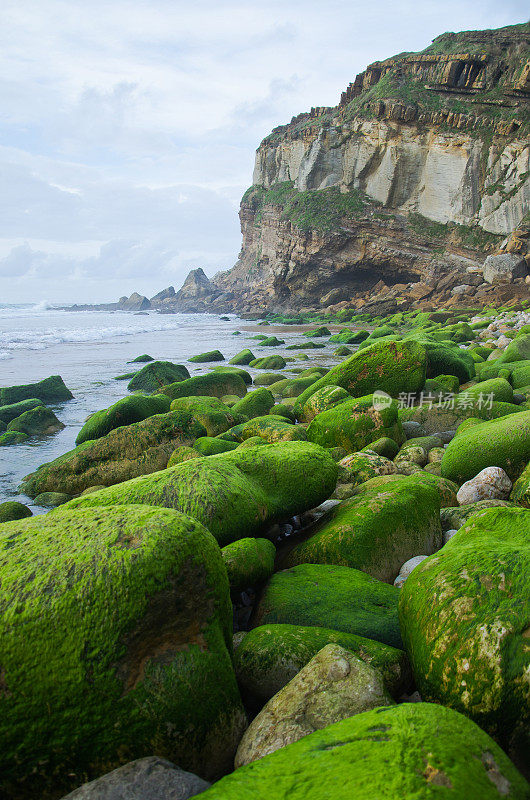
128 129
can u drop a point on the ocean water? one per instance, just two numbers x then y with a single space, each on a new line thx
89 348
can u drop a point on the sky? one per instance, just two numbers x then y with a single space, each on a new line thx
128 129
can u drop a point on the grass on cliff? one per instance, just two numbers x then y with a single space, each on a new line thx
321 210
471 236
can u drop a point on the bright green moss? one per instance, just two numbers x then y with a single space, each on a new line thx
115 631
211 446
211 355
157 374
10 412
337 597
247 377
12 510
248 562
255 404
268 362
464 616
325 398
12 437
243 357
50 390
503 442
215 384
376 531
408 751
235 494
36 422
210 412
355 423
270 428
124 412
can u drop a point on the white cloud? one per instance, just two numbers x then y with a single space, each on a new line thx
135 124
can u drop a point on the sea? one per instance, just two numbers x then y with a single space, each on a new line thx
90 348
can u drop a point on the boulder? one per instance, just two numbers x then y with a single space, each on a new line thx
521 488
271 655
12 437
248 562
464 617
503 442
209 411
334 685
491 483
362 466
503 268
150 778
124 453
354 424
255 404
49 390
14 410
325 398
52 499
336 597
38 421
136 302
236 494
376 531
408 751
11 510
391 367
125 412
116 629
454 518
211 446
203 358
215 384
157 374
244 357
270 428
142 359
268 362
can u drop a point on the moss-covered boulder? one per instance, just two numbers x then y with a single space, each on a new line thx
115 632
126 411
255 404
52 499
283 410
124 453
342 351
446 417
12 510
337 597
364 465
384 446
248 562
269 362
182 453
14 410
452 518
517 350
376 531
267 378
215 384
271 341
391 367
498 389
38 421
504 442
270 656
408 751
519 377
317 332
306 346
521 489
211 446
270 428
464 616
244 357
157 374
49 390
210 412
12 437
236 494
203 358
293 387
142 359
447 358
355 423
247 377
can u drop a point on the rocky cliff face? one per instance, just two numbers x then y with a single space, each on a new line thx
421 170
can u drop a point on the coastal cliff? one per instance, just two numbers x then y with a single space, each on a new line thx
416 176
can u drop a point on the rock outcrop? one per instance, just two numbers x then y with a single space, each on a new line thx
415 177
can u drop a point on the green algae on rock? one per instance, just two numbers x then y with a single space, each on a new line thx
391 367
211 355
235 494
248 562
412 750
157 374
503 442
270 656
244 357
115 634
14 410
52 499
12 437
268 362
521 489
354 423
376 531
464 617
182 453
49 390
255 404
213 414
325 398
126 411
38 421
337 597
124 453
215 384
143 359
247 377
270 428
211 446
12 510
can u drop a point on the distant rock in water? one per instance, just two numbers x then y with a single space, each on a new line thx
164 296
136 302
